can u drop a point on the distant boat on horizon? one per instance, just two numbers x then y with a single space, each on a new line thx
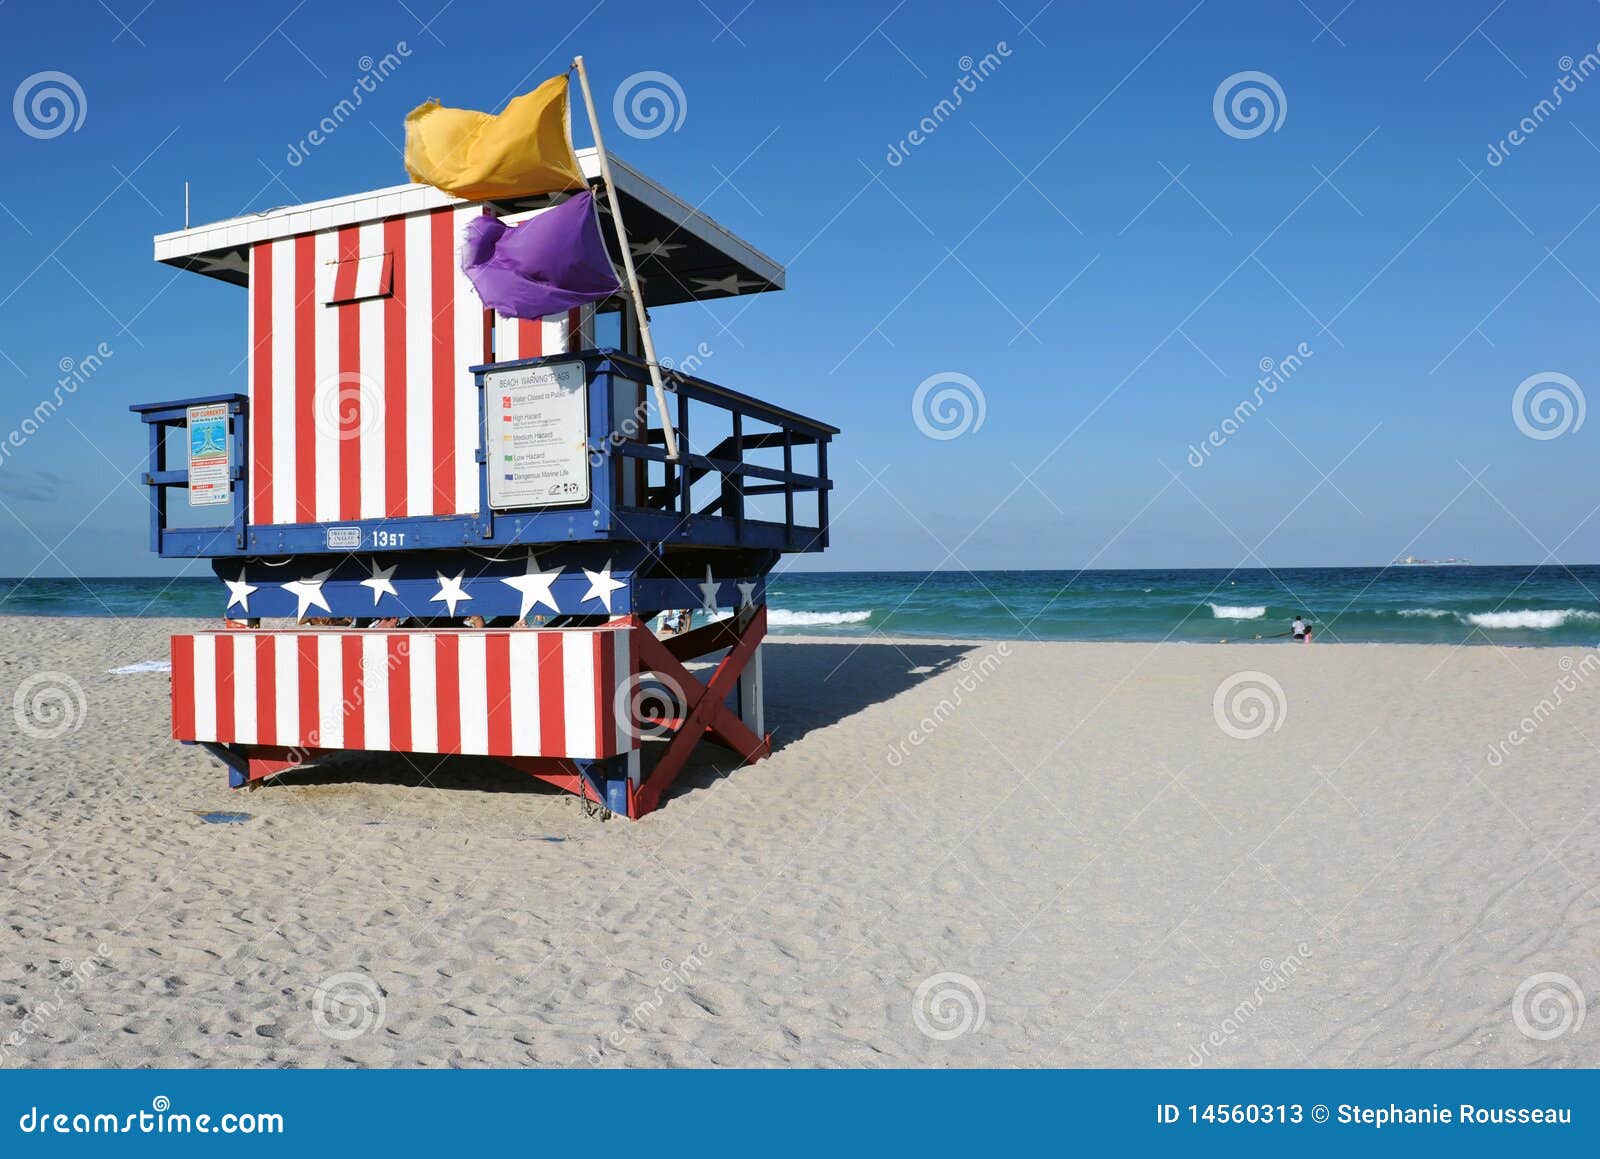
1415 561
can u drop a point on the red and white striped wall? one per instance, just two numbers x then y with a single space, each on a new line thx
533 337
362 403
527 693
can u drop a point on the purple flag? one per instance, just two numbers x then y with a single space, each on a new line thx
546 265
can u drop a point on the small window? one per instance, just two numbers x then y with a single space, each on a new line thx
357 279
608 329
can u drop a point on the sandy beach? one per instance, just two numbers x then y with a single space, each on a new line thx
960 854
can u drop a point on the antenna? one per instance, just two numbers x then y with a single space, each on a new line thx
185 205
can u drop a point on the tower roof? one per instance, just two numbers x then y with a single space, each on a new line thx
681 254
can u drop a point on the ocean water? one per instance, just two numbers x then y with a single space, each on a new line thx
1438 605
1448 605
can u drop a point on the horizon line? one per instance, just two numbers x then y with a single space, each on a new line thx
964 570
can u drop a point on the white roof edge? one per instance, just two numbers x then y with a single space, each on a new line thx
374 204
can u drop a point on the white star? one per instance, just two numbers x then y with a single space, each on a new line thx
239 592
731 284
655 248
450 591
601 585
308 592
746 598
708 592
380 582
534 586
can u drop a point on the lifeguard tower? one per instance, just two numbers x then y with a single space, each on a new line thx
406 466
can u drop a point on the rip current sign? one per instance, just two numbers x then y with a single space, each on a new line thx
536 441
208 455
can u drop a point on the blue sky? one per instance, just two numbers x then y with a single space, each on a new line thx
1081 239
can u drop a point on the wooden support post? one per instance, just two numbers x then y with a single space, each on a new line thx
622 783
158 493
752 695
822 491
248 764
612 782
788 487
685 479
733 488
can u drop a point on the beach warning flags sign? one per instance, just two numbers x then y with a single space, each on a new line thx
522 151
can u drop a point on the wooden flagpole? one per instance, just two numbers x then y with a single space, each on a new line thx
667 430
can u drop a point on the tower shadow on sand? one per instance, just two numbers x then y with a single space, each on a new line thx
810 685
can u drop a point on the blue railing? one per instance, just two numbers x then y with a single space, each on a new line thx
664 513
224 539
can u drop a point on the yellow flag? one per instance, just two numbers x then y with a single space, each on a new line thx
527 149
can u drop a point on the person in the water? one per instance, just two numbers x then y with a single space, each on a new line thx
1300 630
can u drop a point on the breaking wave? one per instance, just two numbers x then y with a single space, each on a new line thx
1238 612
1529 618
1426 613
783 618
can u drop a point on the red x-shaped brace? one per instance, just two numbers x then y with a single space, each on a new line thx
705 710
